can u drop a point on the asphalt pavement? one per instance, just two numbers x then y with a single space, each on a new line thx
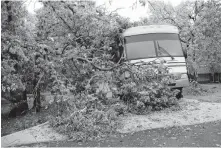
200 135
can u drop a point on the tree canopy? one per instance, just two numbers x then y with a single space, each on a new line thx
198 23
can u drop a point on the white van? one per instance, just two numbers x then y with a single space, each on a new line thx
157 42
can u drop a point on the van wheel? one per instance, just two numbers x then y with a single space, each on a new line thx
180 94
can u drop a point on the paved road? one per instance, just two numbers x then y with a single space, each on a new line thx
203 135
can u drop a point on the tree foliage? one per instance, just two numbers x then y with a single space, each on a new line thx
13 47
20 49
86 52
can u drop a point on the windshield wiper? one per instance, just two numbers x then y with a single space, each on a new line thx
161 48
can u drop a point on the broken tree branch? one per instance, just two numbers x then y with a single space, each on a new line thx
97 67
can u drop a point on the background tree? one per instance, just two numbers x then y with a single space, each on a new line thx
19 50
13 48
193 19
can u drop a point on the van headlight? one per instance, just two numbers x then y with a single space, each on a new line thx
177 76
184 76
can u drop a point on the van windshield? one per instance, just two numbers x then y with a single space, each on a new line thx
153 45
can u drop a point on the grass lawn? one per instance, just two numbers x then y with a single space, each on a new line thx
210 93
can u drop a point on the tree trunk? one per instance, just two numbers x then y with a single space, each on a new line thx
36 93
37 100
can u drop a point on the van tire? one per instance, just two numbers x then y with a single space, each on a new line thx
180 94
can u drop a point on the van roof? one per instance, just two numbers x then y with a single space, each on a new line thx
151 29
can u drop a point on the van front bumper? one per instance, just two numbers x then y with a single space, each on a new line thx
180 83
